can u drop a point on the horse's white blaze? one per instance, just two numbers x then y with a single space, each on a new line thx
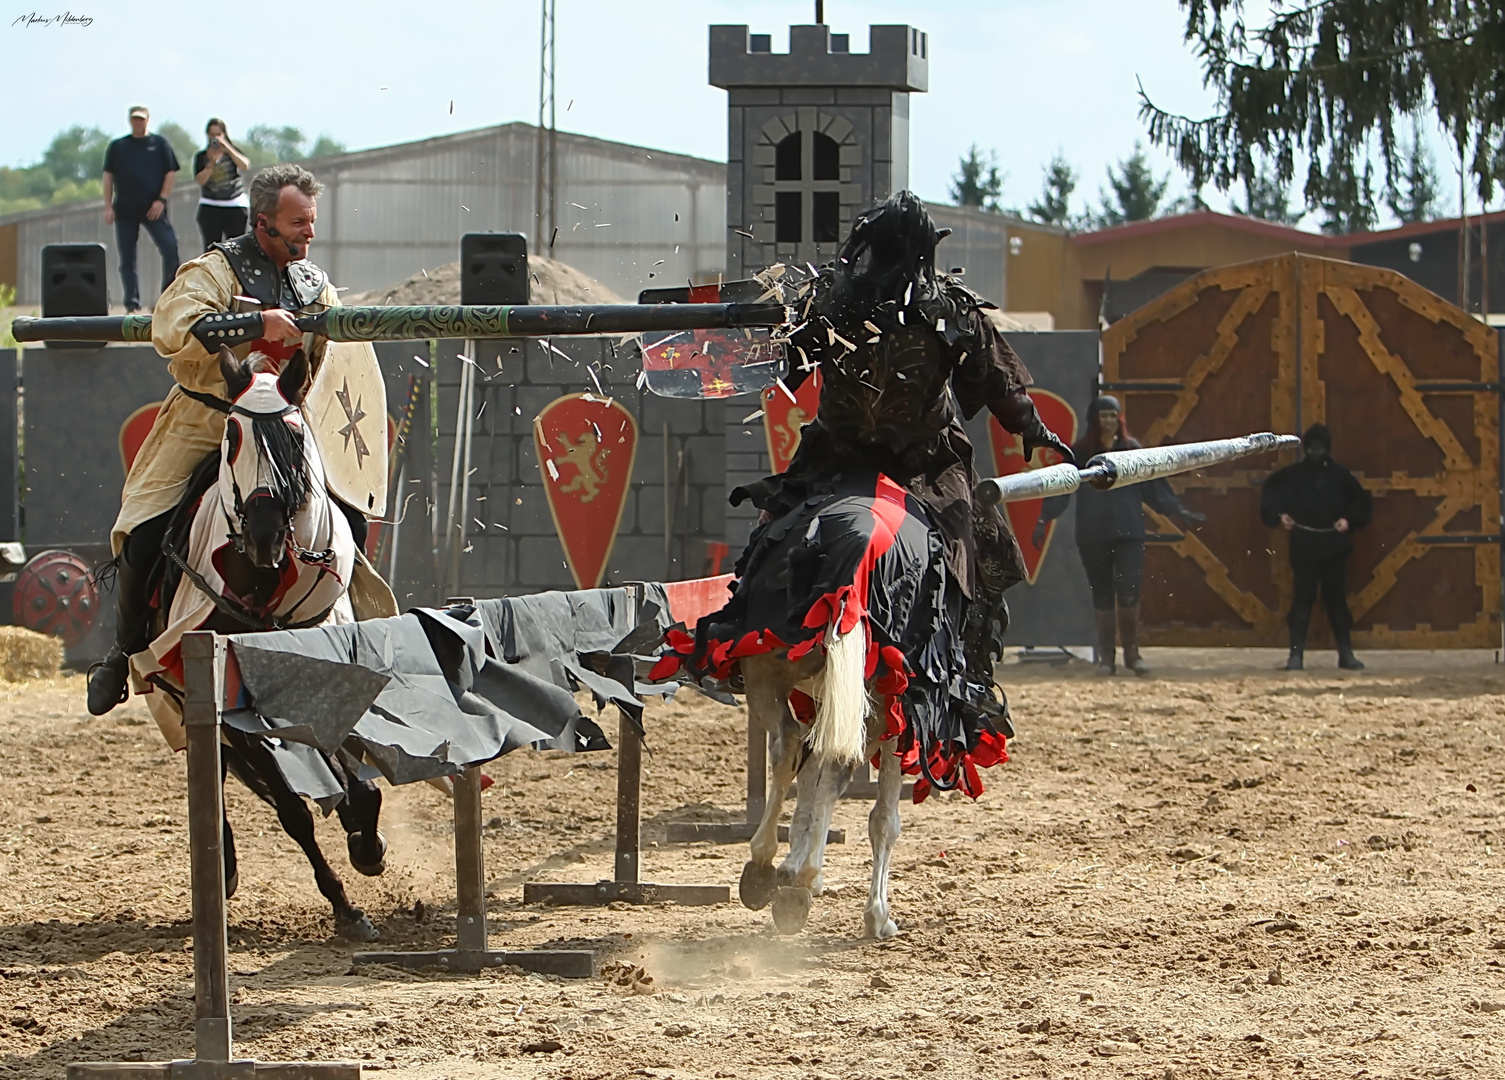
838 735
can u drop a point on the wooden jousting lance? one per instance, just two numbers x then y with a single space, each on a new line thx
420 322
1120 468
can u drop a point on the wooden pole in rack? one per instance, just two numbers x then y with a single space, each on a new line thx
203 687
203 692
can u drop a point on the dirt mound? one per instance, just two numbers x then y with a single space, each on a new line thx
26 655
553 282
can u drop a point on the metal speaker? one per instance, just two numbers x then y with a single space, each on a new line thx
74 283
493 268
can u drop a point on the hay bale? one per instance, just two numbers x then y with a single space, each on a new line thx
26 655
551 282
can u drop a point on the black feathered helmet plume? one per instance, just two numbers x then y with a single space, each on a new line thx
888 256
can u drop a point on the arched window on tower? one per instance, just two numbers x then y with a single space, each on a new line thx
807 174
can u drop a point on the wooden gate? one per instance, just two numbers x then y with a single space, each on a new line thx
1409 385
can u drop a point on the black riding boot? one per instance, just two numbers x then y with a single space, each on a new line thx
987 623
109 677
1346 659
1128 635
1298 620
1103 655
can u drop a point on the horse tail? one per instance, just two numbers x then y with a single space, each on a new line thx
838 735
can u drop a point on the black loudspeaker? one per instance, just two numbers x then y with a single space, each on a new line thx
73 283
493 268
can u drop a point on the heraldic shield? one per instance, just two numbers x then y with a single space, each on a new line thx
1008 458
586 447
347 412
784 414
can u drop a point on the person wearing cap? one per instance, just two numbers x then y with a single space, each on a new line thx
1319 503
1110 537
139 172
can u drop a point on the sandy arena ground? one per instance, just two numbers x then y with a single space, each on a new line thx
1226 871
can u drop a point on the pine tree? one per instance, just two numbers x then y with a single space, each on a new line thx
1266 198
978 183
1054 206
1333 80
1415 195
1346 199
1136 195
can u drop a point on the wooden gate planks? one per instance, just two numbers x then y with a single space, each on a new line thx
1408 384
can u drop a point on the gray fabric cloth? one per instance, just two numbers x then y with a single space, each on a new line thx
428 693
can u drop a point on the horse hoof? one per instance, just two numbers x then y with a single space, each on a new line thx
758 885
232 883
357 840
356 926
791 911
784 875
872 929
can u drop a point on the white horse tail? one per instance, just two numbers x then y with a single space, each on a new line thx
838 734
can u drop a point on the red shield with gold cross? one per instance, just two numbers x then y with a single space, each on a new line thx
783 415
586 445
1008 458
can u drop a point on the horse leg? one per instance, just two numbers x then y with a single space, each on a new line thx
766 678
227 838
298 822
799 826
883 830
820 787
358 812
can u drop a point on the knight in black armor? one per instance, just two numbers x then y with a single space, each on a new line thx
906 353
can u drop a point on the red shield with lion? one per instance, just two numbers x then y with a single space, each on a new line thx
784 413
586 445
1008 458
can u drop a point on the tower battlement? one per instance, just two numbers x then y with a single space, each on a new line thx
897 59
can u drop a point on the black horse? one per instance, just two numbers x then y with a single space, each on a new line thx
259 542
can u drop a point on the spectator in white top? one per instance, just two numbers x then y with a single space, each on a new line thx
220 169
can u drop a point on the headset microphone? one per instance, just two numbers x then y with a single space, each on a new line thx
292 248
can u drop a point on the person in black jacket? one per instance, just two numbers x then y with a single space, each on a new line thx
1319 503
1110 536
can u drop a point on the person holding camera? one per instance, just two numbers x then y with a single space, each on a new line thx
219 170
1110 536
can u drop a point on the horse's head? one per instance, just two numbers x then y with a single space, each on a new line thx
264 478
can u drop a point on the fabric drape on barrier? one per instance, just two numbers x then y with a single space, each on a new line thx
427 693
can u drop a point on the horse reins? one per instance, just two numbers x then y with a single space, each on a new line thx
234 609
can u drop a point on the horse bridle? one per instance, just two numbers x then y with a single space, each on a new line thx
236 536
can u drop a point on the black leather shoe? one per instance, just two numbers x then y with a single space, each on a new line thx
1294 661
1349 662
108 681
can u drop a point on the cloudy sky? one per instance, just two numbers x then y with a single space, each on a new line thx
1019 77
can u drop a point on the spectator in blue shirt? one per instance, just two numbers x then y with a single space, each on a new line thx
139 173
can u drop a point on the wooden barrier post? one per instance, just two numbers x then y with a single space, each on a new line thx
203 694
471 952
624 883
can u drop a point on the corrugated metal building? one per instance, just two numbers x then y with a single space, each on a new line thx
390 212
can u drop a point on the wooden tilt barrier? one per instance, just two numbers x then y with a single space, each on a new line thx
214 1058
688 600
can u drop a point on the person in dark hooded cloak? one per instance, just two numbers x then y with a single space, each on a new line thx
1110 537
1319 503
